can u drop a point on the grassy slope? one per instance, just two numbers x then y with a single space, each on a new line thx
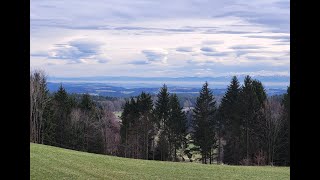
49 162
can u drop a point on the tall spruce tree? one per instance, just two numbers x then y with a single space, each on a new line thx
137 128
252 99
86 103
145 108
61 113
162 114
259 91
258 140
93 137
128 128
177 123
162 106
229 115
204 122
124 127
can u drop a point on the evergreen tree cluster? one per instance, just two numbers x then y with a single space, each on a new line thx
151 131
254 127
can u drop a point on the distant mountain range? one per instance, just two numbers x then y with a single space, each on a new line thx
104 89
220 82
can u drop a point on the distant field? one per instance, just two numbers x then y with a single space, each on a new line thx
49 162
117 113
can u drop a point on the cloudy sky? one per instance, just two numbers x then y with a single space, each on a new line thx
167 38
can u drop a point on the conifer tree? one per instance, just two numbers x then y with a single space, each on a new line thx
124 128
162 106
204 122
61 116
229 115
86 103
93 138
252 100
145 108
258 140
162 114
177 123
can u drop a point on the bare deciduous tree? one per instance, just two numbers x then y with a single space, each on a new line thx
110 129
38 102
272 127
260 158
76 127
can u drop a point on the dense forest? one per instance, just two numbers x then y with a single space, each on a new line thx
245 128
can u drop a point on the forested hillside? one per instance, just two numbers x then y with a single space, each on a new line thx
246 127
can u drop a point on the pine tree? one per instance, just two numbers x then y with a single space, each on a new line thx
286 102
86 103
252 99
204 122
229 115
162 106
93 140
145 108
258 140
259 92
137 128
61 113
177 123
128 117
162 114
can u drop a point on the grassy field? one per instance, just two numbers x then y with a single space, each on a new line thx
49 162
117 113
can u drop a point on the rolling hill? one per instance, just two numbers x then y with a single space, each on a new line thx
47 162
103 89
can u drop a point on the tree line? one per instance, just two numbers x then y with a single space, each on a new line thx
153 131
247 128
256 128
64 120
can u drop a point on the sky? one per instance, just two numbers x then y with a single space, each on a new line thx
152 38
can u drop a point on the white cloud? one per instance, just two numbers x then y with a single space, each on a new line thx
184 49
207 49
156 55
170 38
78 51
